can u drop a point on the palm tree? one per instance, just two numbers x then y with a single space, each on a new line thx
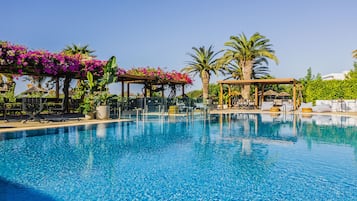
82 50
203 63
245 53
259 70
354 54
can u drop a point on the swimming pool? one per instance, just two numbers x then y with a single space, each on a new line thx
219 157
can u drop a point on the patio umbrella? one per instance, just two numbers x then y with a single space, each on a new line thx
283 94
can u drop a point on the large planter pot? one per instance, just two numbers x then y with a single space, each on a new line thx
102 112
89 116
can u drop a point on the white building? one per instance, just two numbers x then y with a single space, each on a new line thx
335 76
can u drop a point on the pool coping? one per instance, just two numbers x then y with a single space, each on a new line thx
19 126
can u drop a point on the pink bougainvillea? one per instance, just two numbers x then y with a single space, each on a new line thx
160 75
19 60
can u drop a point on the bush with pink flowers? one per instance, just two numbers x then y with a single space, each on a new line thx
18 59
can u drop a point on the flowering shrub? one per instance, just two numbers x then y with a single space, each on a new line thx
183 77
121 71
9 54
19 60
160 75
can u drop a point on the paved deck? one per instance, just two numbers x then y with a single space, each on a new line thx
30 125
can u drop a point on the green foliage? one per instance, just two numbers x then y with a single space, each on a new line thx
352 75
10 94
109 76
204 63
245 58
77 49
305 82
194 94
330 90
314 88
202 60
88 105
90 81
214 90
96 91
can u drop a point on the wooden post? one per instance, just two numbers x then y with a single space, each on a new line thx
174 91
183 90
150 90
294 96
229 96
145 84
256 102
128 90
262 96
57 87
221 95
122 90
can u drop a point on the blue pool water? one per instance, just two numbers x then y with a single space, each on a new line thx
221 157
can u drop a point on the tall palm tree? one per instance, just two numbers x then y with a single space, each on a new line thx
204 63
245 52
354 54
259 69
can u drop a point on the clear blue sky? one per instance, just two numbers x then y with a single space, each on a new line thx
320 34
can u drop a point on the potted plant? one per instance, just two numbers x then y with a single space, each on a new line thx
96 100
88 107
86 90
102 95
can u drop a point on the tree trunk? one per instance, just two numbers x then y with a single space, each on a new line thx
247 75
205 85
66 84
57 87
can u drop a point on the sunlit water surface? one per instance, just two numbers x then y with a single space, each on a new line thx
219 157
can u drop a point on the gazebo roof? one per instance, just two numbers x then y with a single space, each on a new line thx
34 89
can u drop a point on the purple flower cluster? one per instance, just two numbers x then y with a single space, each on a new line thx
20 60
160 75
121 71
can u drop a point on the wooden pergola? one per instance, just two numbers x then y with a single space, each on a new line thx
257 83
147 81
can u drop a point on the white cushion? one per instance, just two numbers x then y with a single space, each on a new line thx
266 106
322 108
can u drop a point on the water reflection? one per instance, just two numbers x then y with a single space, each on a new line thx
285 129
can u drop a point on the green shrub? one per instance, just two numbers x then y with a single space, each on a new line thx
331 89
